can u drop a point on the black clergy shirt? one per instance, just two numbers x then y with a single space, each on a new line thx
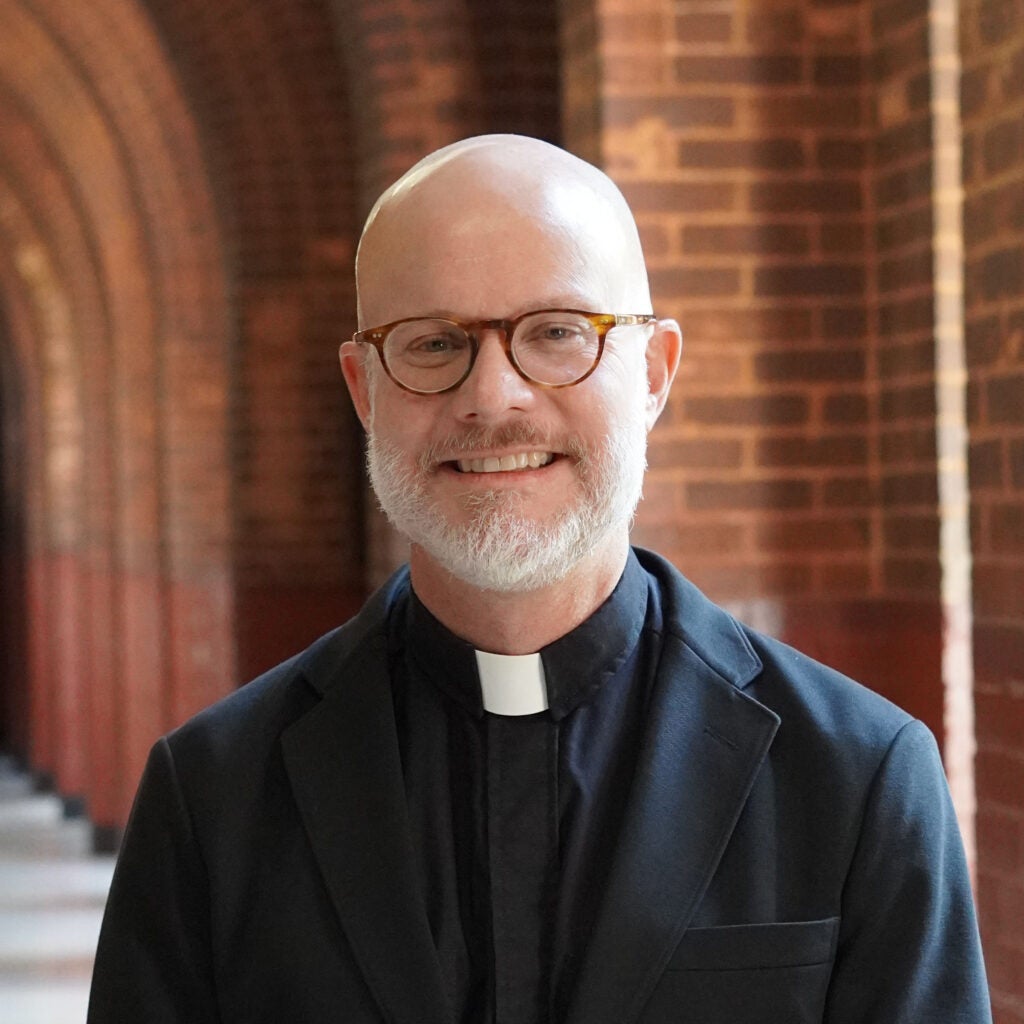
515 819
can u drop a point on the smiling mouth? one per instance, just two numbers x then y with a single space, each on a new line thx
505 463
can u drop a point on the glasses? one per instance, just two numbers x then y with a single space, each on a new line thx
554 348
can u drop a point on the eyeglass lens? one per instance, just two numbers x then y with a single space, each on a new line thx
549 348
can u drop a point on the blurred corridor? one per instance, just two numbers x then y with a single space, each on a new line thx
52 891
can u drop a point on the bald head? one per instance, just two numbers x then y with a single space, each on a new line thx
493 226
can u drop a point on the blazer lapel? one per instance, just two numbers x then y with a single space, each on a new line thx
343 761
705 744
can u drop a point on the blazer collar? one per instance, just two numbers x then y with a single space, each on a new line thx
344 765
705 742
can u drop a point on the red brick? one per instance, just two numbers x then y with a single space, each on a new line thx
850 492
910 488
833 451
699 282
1000 836
1017 463
1003 145
906 50
755 69
780 24
846 408
767 322
828 112
986 464
702 27
822 195
983 340
844 322
711 111
771 154
908 444
752 239
1001 904
702 453
711 495
693 538
998 654
841 154
838 71
679 196
841 238
636 29
911 532
904 185
914 358
1000 777
1005 398
746 410
916 401
896 14
997 20
1007 528
907 315
730 582
830 279
916 575
826 364
832 534
998 275
904 227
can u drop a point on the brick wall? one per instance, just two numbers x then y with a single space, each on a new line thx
992 42
742 149
114 259
267 89
769 151
904 359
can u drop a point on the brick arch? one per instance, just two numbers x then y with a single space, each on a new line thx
100 155
265 83
20 451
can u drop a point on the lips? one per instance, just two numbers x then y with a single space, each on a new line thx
505 463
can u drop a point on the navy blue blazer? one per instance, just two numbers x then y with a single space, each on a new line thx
789 853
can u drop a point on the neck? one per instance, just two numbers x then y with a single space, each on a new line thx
519 622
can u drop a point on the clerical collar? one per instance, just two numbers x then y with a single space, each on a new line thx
512 684
563 675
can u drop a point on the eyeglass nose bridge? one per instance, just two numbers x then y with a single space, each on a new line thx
505 329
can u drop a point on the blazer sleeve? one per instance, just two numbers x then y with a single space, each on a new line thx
153 961
908 947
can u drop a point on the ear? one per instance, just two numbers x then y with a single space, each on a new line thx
353 367
663 351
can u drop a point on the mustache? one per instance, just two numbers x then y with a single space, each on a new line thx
513 435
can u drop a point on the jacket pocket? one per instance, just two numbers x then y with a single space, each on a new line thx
747 974
740 947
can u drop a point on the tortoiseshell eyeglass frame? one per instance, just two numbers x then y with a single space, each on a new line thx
601 322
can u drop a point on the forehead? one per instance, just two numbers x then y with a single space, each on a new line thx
487 256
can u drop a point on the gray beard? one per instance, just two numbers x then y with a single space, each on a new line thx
500 547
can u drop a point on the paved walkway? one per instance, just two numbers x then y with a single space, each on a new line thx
51 899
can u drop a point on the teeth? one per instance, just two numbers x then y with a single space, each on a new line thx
493 464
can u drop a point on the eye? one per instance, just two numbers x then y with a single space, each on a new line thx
424 348
436 344
558 333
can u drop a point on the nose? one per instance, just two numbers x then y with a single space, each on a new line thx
493 388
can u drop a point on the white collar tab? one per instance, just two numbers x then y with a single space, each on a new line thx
512 684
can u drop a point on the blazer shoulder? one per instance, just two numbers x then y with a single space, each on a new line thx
255 714
810 698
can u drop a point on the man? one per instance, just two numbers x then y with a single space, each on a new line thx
539 777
